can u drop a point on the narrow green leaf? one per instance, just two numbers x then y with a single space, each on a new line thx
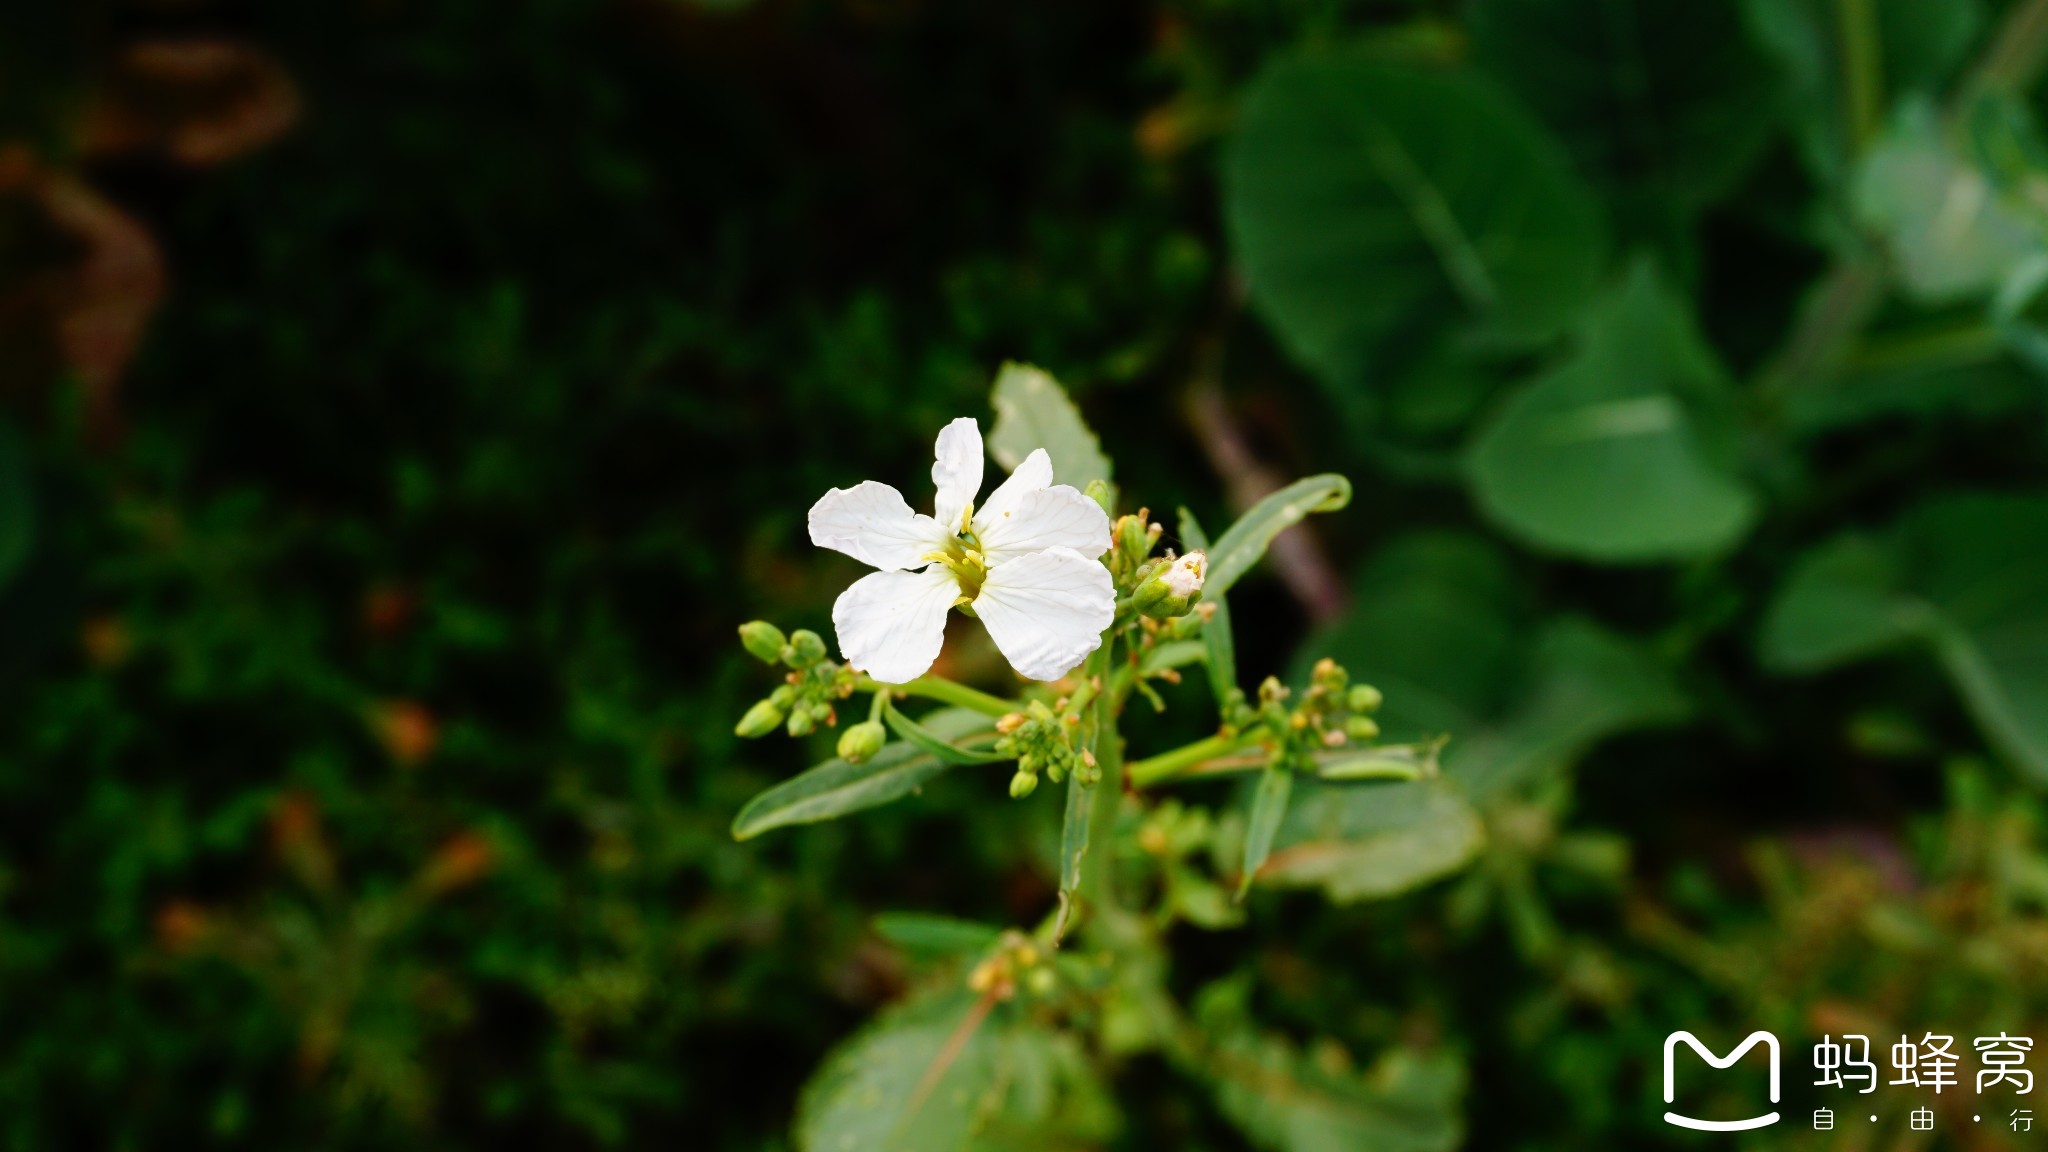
1269 807
930 743
1246 541
1361 841
928 935
835 787
1217 638
1073 845
1033 411
1173 654
1627 452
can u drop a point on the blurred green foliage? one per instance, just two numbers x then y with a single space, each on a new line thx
404 403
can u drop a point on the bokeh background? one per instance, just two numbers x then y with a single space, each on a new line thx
404 402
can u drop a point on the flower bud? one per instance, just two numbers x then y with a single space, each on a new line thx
801 724
1023 784
1174 589
1361 728
1363 698
764 717
1098 491
763 640
861 741
805 648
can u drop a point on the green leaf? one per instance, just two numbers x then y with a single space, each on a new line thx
1362 195
1627 451
926 935
1370 841
1269 808
1217 638
1033 411
1289 1101
1655 99
834 788
1073 845
1966 575
1952 233
17 504
1173 654
931 743
953 1073
1246 541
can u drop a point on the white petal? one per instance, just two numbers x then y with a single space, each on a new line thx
1031 476
1046 610
1055 517
957 472
872 523
892 624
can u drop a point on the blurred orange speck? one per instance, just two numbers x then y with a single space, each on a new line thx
181 925
407 730
462 859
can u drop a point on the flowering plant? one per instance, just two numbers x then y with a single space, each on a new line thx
1015 1031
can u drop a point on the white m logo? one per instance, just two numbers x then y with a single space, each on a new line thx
1741 1050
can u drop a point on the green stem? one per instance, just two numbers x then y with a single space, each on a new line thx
945 692
1862 72
2013 61
1107 745
1171 765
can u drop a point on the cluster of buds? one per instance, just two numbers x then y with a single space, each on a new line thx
804 699
1157 587
1331 712
1015 960
1048 737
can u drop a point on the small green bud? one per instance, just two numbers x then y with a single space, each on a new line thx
1040 981
764 717
1361 728
1023 784
821 713
763 640
1174 589
862 741
1363 698
1098 491
805 648
784 696
801 724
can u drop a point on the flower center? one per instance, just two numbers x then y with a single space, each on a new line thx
963 557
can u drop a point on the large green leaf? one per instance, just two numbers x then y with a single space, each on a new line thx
835 787
1626 452
1655 99
1363 194
1269 808
1245 542
1966 575
1033 411
950 1073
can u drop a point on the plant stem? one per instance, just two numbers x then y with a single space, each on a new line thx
1862 74
946 692
2013 61
1172 765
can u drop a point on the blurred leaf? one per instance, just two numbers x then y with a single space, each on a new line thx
1626 452
1919 45
1952 234
1288 1101
1033 411
1965 574
1269 808
1245 542
1173 654
1360 194
835 788
1370 841
1583 684
927 741
927 935
1662 100
1073 845
1217 638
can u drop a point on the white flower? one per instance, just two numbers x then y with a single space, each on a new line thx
1024 563
1184 576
